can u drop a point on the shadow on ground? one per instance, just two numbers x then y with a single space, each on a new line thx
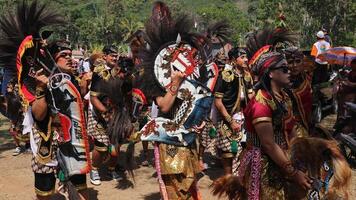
152 196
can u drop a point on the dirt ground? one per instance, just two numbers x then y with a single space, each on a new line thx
16 177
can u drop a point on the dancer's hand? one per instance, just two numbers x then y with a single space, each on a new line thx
303 180
177 77
199 129
41 79
236 127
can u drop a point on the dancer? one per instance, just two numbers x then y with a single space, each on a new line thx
54 115
301 90
233 91
179 79
98 113
269 122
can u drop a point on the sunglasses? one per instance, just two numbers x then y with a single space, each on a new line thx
282 68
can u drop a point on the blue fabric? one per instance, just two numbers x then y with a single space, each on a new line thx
201 111
8 75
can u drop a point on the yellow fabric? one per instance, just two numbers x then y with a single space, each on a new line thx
179 165
184 160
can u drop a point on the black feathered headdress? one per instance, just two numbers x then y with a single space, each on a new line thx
261 48
166 38
220 31
22 41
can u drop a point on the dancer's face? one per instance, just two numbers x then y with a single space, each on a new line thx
111 59
64 61
295 66
281 76
242 61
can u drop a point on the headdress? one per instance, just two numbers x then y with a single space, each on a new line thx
58 46
261 48
263 56
20 47
108 49
293 52
236 52
172 45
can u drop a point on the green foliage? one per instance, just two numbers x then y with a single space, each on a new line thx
94 23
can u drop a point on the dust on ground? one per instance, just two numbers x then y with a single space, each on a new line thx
16 177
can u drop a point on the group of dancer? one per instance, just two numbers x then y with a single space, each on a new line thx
260 98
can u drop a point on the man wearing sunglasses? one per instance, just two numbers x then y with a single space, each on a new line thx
53 110
301 90
99 110
269 123
233 91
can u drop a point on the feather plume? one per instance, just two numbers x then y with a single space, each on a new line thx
28 19
220 30
161 30
268 36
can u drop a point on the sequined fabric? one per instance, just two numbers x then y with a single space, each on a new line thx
179 165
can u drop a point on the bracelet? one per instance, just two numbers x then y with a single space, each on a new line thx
40 96
173 89
40 93
289 169
229 119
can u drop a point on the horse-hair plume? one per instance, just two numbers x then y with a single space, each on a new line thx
312 152
28 19
228 186
119 125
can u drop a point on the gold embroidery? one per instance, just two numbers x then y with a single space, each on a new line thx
264 100
227 75
261 119
185 161
101 69
94 94
219 94
44 193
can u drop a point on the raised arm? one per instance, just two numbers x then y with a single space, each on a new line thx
39 106
166 102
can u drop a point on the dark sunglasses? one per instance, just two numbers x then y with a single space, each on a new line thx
282 68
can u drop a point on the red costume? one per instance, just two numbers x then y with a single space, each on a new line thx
302 92
261 176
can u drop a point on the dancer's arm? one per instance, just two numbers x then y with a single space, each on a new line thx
166 102
221 108
265 133
94 93
39 106
94 100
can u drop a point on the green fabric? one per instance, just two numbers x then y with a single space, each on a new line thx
61 176
234 146
212 132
